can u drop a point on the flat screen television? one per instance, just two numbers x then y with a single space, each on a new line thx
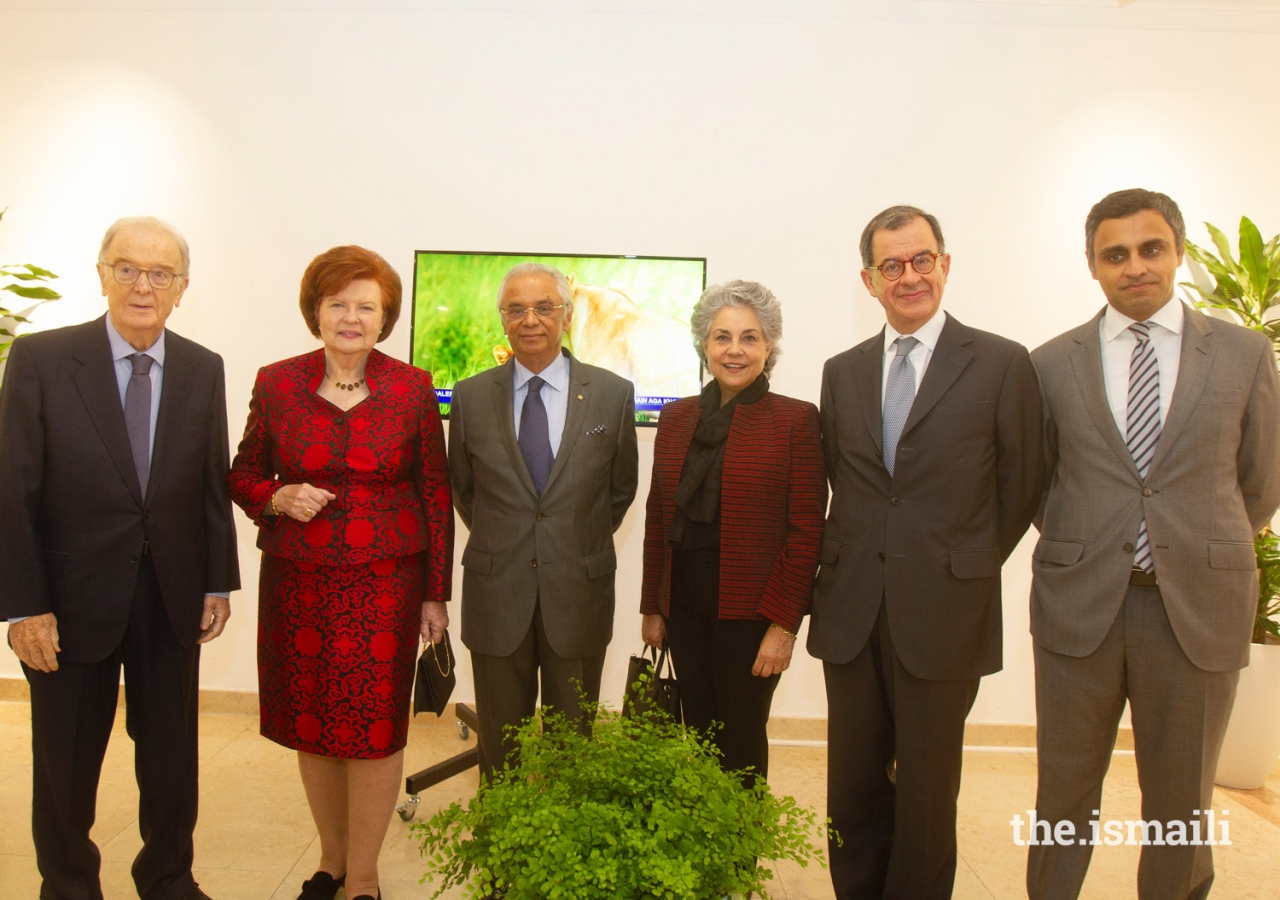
630 315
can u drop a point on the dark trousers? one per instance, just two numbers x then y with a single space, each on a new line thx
507 690
899 839
713 659
72 713
1179 715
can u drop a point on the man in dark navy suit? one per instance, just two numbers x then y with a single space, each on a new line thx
118 551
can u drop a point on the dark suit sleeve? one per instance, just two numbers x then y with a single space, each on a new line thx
1050 429
22 448
625 475
460 474
223 573
786 595
1258 459
1020 464
827 418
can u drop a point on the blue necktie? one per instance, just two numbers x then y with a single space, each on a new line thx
535 435
1142 424
137 416
899 394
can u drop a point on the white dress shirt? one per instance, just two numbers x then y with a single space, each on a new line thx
1117 349
927 334
556 400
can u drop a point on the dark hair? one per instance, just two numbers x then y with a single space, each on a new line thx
1121 204
892 219
331 271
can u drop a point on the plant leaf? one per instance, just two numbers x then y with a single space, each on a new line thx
1251 258
37 271
32 293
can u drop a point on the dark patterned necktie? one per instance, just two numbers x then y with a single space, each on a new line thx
535 435
899 394
137 416
1142 423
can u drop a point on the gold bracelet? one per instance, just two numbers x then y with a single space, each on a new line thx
274 511
790 634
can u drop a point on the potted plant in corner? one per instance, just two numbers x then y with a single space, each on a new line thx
25 281
638 809
1249 289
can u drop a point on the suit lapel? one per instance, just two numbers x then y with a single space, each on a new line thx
174 390
1193 371
868 372
503 393
1086 363
96 382
949 359
575 415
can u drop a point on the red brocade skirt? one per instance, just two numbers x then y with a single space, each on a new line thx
336 652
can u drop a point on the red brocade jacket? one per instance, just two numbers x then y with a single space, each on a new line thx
773 497
384 459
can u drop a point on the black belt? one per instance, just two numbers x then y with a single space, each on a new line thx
1142 579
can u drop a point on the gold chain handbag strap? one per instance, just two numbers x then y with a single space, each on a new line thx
436 656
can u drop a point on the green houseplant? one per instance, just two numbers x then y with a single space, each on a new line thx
1248 288
25 281
640 808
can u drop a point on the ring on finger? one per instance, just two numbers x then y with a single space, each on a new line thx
308 512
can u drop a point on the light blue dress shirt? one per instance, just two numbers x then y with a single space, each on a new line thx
120 353
555 400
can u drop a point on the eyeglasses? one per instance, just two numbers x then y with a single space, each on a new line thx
128 273
893 269
542 311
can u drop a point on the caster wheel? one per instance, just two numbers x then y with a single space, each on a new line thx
408 808
464 731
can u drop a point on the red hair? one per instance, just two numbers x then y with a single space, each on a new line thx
331 271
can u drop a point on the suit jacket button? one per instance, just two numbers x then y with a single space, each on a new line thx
539 516
1147 492
533 564
1127 548
896 501
881 555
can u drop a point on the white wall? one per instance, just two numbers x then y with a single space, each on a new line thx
760 135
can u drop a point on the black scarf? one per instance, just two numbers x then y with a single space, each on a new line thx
697 497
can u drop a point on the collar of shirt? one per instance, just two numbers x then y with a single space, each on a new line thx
1170 317
556 375
120 348
927 334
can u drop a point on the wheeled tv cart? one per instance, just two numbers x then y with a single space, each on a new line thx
418 782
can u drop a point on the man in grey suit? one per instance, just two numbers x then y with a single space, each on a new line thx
543 460
1162 430
931 431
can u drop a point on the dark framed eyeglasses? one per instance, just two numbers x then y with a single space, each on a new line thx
542 311
893 269
128 273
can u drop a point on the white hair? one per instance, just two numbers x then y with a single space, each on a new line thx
533 268
747 294
146 223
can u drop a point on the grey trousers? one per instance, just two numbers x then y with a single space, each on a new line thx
1179 715
507 690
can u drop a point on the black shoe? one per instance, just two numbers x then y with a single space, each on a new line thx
321 886
196 894
367 897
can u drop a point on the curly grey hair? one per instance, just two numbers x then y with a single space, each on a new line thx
747 294
533 268
146 223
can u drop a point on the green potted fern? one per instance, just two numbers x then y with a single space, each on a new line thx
638 809
28 283
1246 285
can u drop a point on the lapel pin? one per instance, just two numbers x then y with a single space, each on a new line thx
579 396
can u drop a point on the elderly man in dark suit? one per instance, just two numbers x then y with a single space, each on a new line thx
118 550
932 438
1163 432
543 460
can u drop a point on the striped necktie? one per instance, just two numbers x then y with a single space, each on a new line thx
1142 423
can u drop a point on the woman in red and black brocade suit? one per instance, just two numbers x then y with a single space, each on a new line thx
733 525
342 466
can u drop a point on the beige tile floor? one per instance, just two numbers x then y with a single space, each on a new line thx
255 840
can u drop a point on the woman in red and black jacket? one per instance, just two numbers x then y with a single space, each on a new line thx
733 525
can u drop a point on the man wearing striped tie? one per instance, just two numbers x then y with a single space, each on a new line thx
1163 440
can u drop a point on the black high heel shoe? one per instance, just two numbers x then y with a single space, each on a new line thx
321 886
367 897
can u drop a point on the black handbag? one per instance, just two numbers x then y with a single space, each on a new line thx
436 679
660 691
